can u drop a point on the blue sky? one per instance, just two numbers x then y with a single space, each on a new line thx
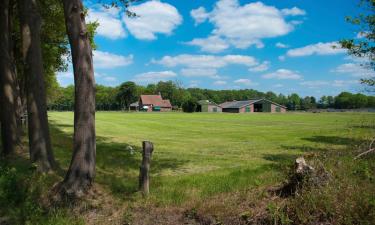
270 45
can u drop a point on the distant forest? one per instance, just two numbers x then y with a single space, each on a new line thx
120 97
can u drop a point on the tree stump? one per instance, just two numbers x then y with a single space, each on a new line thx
144 177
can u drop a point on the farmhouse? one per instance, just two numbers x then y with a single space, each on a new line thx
156 103
207 106
253 105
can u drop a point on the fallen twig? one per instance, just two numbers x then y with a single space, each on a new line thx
371 149
364 153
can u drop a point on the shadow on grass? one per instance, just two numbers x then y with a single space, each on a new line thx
318 144
334 140
326 143
116 167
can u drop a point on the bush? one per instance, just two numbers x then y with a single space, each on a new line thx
21 190
189 106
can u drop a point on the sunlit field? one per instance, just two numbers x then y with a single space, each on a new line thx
200 155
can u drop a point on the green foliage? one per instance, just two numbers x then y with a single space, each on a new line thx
20 192
294 102
127 94
347 100
106 98
54 44
364 47
190 105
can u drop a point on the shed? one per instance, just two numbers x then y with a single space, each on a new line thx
134 106
253 105
208 106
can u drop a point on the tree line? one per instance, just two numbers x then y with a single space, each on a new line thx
120 97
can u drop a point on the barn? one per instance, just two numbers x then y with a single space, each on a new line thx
208 106
154 103
253 105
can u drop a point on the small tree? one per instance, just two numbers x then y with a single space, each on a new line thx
127 94
364 47
189 105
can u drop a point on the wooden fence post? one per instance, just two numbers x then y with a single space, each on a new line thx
144 178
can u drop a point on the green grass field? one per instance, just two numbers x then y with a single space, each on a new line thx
199 155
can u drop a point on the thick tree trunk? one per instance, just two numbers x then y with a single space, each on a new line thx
39 137
12 49
81 172
9 131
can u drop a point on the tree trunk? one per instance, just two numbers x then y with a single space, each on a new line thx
39 137
81 172
9 129
12 50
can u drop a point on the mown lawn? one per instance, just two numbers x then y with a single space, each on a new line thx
199 155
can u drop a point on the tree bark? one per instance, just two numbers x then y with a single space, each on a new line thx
39 136
144 177
81 172
12 50
9 129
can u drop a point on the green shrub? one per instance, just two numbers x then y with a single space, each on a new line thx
20 193
189 106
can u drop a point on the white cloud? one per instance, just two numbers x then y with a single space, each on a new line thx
278 85
261 67
245 82
318 84
199 72
243 26
65 78
109 60
199 15
212 44
154 77
293 12
283 74
315 83
354 69
220 82
343 83
110 25
281 45
193 83
152 17
329 48
206 65
205 61
110 79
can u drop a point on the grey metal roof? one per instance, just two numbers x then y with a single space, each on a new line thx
238 104
241 104
207 102
134 104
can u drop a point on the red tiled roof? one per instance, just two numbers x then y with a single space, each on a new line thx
155 100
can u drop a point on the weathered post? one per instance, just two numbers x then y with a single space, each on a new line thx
144 178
